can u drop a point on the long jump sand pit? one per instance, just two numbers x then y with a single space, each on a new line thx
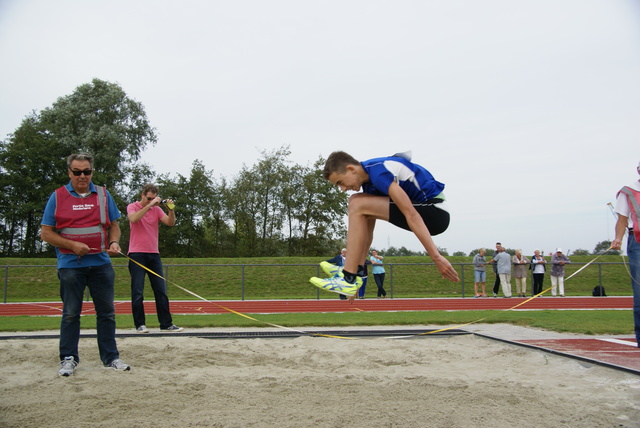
436 381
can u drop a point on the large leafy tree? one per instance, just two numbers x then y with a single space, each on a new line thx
241 206
254 204
269 175
604 247
26 184
218 234
97 117
196 203
315 211
100 118
276 208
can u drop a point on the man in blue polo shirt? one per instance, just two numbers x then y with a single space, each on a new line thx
80 221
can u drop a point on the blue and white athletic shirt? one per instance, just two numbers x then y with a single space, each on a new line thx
414 179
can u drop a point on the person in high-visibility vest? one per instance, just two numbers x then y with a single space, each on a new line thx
628 210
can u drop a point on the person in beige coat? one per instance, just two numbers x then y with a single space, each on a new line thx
519 272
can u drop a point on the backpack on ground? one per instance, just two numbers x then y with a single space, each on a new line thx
599 291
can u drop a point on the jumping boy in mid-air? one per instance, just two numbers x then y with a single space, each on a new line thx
395 190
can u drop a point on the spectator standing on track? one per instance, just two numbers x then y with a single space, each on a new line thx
558 260
378 272
480 273
496 284
503 266
80 221
144 219
365 278
628 209
520 264
339 259
538 264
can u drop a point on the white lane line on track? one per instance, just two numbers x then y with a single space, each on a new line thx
620 342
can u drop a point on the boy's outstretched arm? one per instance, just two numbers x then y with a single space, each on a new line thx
421 231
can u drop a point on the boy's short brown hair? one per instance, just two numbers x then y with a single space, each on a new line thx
337 162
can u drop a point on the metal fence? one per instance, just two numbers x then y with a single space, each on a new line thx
246 281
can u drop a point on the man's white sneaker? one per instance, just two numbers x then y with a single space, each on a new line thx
142 329
118 364
67 366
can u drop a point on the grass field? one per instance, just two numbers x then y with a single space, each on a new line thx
288 278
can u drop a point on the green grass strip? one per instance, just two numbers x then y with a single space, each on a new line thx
593 322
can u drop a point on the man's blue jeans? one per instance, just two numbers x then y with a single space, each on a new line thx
100 280
153 262
633 251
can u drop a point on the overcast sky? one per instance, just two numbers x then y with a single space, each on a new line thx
527 110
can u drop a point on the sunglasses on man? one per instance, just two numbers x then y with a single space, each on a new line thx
84 171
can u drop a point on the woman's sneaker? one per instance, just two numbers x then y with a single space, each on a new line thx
118 364
67 366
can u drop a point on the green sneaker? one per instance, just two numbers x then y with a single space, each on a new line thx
337 285
331 269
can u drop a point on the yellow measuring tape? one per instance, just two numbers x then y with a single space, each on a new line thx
228 309
342 337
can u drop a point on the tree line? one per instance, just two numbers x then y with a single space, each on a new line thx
272 208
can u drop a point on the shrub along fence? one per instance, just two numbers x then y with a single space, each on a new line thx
291 281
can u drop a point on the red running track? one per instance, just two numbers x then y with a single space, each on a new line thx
336 305
620 353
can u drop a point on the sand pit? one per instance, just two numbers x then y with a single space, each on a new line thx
182 381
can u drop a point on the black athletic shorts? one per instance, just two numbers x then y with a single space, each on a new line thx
436 219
